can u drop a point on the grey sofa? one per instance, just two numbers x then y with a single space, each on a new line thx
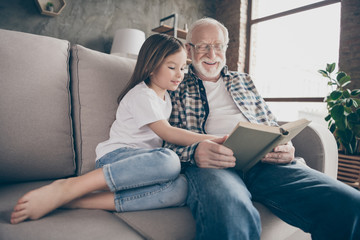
57 101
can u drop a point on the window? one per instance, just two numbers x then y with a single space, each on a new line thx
289 42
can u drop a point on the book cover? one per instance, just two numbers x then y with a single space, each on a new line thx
250 142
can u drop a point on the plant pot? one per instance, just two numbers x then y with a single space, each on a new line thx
349 170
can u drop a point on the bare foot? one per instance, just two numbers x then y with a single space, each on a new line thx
39 202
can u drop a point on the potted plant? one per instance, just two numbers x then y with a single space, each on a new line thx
343 105
50 6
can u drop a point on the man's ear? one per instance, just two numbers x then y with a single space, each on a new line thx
188 50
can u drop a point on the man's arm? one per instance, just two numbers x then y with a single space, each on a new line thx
176 135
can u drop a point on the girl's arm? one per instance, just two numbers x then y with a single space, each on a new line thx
175 135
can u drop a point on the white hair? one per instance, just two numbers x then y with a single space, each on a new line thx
207 21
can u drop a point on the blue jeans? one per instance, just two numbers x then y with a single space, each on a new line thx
143 179
221 202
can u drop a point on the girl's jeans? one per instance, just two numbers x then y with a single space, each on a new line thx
144 179
221 202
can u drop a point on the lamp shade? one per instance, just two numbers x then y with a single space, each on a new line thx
127 42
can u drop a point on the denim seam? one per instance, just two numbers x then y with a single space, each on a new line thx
144 184
199 208
114 188
304 225
108 178
120 201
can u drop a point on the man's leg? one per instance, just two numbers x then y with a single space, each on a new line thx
221 205
308 199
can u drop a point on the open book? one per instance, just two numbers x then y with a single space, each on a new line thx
250 142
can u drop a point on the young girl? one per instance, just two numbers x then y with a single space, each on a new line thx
133 171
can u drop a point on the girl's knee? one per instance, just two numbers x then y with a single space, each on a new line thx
180 186
170 162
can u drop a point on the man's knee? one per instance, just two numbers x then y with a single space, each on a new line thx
220 200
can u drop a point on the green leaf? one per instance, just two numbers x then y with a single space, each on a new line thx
324 73
356 129
344 80
334 95
330 67
348 110
346 93
328 117
349 102
353 117
345 135
330 103
355 92
343 85
340 75
356 102
332 128
337 112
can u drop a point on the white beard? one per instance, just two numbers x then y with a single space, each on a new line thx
213 72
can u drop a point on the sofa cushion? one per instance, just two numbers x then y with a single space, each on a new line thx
36 127
97 80
162 224
79 224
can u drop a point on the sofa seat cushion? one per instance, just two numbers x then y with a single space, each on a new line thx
79 224
36 127
178 223
97 81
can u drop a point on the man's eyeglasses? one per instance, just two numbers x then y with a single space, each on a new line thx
205 48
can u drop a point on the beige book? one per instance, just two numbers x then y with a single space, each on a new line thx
250 142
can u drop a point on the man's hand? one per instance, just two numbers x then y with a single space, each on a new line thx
282 154
212 154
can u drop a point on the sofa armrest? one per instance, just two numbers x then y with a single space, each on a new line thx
317 146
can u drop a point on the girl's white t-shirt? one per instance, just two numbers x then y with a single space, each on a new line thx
139 107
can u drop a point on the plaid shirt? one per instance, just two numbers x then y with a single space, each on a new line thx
191 108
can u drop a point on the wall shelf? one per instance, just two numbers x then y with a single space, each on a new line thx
170 31
59 5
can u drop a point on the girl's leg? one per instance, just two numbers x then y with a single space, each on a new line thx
144 178
123 169
169 194
39 202
129 168
99 200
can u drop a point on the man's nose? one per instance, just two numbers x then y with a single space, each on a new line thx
211 53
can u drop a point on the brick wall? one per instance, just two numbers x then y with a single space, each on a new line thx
349 55
228 13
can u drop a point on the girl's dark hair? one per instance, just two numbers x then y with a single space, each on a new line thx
152 53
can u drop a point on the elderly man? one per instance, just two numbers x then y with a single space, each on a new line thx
212 100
